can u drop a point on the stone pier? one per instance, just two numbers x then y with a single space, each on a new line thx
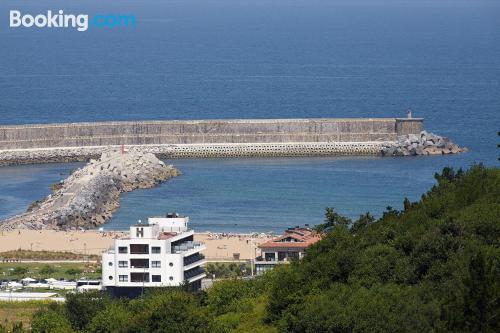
42 143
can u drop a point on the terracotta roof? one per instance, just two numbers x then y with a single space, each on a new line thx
302 238
167 235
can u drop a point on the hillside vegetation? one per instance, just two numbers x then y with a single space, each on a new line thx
432 267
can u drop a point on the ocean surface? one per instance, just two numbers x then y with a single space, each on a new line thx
196 59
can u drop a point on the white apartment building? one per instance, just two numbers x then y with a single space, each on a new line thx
161 253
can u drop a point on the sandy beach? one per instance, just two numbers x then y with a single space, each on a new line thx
219 246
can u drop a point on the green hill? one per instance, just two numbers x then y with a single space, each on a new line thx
432 267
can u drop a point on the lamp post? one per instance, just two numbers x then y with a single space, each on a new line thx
254 251
143 281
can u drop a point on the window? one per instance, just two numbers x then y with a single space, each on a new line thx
156 264
270 256
110 263
156 278
122 249
171 264
139 249
123 278
123 264
155 249
171 278
110 277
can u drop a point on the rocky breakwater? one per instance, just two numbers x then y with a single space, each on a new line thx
89 196
421 144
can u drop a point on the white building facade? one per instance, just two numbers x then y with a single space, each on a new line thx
161 253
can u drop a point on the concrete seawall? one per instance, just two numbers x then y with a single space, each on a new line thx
203 138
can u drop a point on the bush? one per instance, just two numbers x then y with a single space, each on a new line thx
81 308
51 320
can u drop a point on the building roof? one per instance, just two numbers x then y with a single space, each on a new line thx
167 235
299 238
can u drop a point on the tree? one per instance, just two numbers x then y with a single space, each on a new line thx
224 293
431 267
332 219
47 271
74 271
82 307
20 271
170 311
50 320
480 302
362 222
113 318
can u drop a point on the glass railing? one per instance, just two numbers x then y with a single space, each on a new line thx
186 246
192 259
193 272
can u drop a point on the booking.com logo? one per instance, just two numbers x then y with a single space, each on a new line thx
80 22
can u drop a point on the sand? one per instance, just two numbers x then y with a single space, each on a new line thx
219 246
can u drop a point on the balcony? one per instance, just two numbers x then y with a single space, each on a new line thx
186 246
193 258
192 273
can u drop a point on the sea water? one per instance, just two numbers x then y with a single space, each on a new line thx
260 59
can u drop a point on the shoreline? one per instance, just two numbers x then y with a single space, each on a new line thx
219 246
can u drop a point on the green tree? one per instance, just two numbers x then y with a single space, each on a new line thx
432 267
113 318
52 320
74 271
168 312
47 271
332 219
481 296
82 307
362 222
223 294
20 271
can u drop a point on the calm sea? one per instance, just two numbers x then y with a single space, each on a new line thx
260 59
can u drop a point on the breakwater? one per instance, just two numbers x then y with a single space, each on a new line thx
203 138
90 195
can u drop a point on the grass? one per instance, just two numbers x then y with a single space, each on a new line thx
14 312
61 270
45 255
